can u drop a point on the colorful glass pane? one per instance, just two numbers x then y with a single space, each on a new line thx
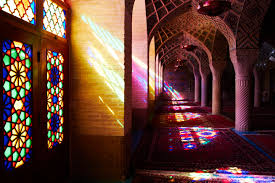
17 103
24 9
55 78
54 18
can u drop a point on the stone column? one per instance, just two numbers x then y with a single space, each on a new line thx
216 92
204 90
217 66
243 61
197 87
257 88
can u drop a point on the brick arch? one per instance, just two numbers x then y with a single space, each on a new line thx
199 56
219 51
193 60
176 41
159 10
201 30
203 61
226 23
241 24
172 59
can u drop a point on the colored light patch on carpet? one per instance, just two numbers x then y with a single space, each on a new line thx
157 176
167 151
179 117
180 102
190 138
178 108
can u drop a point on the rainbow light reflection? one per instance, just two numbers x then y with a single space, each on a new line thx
230 174
115 47
193 137
207 175
171 92
179 108
112 71
181 117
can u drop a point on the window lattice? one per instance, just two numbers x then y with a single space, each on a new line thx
17 103
24 9
55 78
54 18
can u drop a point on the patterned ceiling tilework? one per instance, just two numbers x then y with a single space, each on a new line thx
241 24
191 59
164 34
172 43
177 52
204 31
175 42
186 67
230 18
250 23
157 10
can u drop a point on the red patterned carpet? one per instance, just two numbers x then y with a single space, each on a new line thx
190 119
189 144
181 108
194 149
264 141
234 175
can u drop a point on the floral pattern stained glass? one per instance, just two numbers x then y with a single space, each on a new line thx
54 18
24 9
55 93
17 103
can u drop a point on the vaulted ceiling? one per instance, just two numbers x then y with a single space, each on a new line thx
174 22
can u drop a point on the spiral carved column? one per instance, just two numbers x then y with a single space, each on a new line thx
243 61
242 116
257 88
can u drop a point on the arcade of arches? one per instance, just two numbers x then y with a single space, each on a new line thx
137 91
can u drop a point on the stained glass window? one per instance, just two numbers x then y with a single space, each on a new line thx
24 9
54 18
55 78
17 103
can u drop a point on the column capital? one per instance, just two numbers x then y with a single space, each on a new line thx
243 61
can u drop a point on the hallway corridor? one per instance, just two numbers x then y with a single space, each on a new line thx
186 143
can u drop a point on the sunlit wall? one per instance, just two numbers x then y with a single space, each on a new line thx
139 55
139 65
161 77
157 76
98 67
97 84
152 67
